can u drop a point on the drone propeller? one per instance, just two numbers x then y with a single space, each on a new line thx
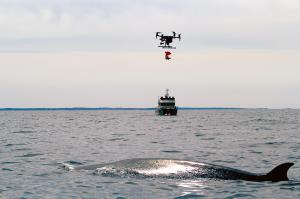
179 37
157 34
174 33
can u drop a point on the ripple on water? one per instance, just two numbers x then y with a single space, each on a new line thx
29 155
9 145
7 169
74 162
171 151
241 195
42 174
131 183
291 184
109 182
10 162
294 158
23 132
189 196
275 143
165 188
208 138
23 149
224 161
119 197
118 139
199 134
255 152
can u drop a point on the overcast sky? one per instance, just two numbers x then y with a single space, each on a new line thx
233 53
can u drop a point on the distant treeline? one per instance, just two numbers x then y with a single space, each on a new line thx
109 108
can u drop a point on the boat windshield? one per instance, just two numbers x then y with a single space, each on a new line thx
167 104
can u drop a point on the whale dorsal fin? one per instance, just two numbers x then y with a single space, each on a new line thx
279 173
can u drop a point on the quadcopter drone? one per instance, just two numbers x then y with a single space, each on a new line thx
166 40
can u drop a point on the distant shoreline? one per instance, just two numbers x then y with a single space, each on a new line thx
110 108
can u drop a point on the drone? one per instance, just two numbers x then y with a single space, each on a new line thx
165 40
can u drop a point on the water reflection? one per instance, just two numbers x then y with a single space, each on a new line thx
192 188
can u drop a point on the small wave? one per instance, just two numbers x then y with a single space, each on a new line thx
7 169
225 161
9 145
120 197
118 134
275 143
189 196
171 151
83 186
294 157
208 138
241 195
132 183
23 149
264 120
109 182
9 162
74 162
118 139
165 188
199 134
23 132
41 174
291 184
255 152
30 155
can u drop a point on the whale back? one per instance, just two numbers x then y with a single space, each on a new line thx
279 173
181 169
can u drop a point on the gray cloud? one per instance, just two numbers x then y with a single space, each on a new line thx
90 25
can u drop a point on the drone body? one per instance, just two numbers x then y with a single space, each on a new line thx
166 40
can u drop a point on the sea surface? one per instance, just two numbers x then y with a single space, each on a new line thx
34 144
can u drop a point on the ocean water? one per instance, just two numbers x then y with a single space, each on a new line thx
34 144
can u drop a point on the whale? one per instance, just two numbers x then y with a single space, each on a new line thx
181 169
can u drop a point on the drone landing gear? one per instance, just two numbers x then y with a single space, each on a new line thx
168 47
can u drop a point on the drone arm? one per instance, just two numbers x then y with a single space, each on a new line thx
157 35
179 37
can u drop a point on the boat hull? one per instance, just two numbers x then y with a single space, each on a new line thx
166 112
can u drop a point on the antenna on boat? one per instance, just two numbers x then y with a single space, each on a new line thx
167 92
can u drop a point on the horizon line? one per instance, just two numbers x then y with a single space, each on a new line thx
118 108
